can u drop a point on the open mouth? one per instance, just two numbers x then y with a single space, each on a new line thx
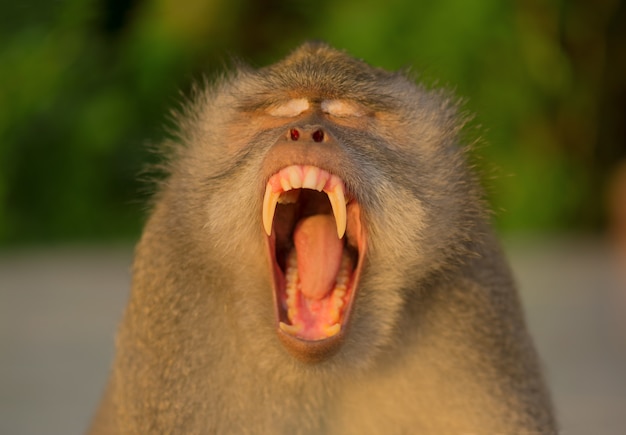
316 247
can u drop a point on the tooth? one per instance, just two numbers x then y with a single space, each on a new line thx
338 202
290 288
332 330
292 259
290 329
340 290
291 301
295 177
310 179
269 207
342 276
338 302
292 312
321 181
283 177
334 315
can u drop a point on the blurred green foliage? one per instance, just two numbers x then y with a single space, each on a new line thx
86 86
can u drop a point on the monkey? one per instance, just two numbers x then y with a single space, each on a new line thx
320 259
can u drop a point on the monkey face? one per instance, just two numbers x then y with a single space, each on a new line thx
348 181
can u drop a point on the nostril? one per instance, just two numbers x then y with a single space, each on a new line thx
318 135
294 134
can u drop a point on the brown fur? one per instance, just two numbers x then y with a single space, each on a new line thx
437 341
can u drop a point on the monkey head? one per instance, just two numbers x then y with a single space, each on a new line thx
340 180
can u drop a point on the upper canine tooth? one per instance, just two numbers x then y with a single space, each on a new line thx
338 203
270 199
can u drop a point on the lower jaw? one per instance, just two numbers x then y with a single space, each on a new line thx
322 343
320 346
315 319
315 341
308 351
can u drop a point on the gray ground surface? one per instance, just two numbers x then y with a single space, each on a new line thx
59 308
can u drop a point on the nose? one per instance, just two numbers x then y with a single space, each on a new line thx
307 133
306 143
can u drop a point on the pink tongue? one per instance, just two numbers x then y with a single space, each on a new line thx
319 254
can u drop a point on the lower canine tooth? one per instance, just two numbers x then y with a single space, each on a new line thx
332 330
290 329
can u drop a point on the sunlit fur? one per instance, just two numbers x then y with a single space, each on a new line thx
437 342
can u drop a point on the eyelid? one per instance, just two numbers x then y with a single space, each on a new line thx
289 109
342 108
